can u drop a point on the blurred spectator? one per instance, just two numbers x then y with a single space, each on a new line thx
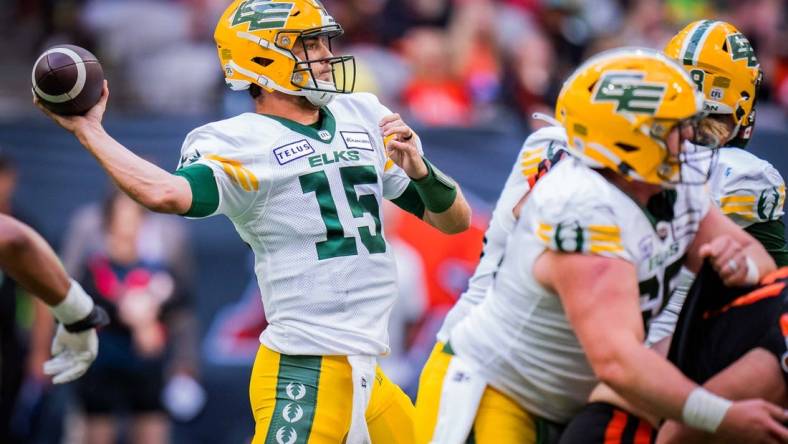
166 66
138 266
435 95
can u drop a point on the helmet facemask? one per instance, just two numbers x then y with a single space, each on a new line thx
306 73
697 152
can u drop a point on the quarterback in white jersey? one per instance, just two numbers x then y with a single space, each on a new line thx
302 180
595 251
539 151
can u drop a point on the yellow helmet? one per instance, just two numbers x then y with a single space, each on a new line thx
618 108
255 40
723 65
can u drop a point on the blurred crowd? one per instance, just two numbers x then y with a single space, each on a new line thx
441 62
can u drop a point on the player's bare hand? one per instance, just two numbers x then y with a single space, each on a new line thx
728 259
76 124
400 141
754 421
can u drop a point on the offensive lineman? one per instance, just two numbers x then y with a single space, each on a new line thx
722 63
540 151
302 180
594 235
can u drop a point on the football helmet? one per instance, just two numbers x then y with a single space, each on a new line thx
618 109
722 63
256 38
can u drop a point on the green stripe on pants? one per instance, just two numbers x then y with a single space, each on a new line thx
296 398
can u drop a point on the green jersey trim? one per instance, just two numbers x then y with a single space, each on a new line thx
205 192
410 201
323 131
772 236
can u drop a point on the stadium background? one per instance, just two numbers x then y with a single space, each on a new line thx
465 73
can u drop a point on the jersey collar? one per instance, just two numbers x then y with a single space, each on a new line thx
325 133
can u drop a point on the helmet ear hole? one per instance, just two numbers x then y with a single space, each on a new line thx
262 61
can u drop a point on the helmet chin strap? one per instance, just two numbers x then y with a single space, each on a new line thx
322 97
317 98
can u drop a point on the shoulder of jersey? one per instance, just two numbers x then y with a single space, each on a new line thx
740 168
236 133
574 209
540 145
748 188
572 188
361 101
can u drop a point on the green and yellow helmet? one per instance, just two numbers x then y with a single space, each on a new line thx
255 40
618 108
723 65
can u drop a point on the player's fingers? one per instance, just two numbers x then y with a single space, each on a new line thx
706 250
104 94
57 365
398 129
778 413
389 118
778 432
396 145
77 370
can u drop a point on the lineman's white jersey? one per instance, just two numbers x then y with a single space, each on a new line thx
307 201
519 337
540 145
747 189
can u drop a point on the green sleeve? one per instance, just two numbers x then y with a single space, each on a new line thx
410 201
205 192
772 235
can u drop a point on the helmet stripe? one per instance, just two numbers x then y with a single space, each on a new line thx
695 41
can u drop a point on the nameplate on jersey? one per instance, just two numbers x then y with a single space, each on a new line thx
293 151
357 140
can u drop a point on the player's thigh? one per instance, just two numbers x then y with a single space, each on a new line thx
390 414
429 395
602 423
499 419
300 399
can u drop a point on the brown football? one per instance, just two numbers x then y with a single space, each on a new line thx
68 79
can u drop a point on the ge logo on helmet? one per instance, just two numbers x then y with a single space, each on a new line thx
630 93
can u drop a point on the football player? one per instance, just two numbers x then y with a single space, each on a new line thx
540 151
302 180
722 63
29 260
594 252
715 344
747 189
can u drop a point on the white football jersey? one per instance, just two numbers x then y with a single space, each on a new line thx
747 189
308 202
519 336
540 145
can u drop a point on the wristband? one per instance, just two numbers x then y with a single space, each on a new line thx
704 410
753 274
97 318
437 190
76 306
